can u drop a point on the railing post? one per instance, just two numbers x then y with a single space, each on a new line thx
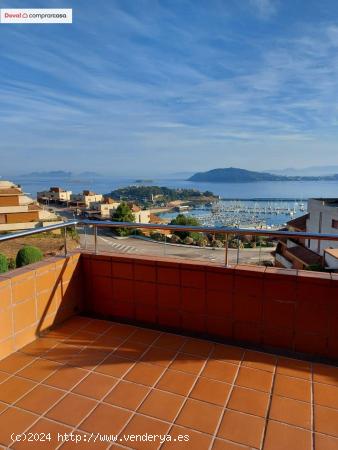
237 259
95 239
226 246
65 240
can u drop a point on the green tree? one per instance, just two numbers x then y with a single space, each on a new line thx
123 214
182 219
3 263
28 255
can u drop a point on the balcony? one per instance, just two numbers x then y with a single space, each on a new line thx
105 345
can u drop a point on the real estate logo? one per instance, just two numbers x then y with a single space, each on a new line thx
42 15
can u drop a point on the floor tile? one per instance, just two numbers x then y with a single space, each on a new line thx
249 401
40 399
72 409
280 436
127 395
221 371
211 391
170 341
200 416
220 444
144 336
291 411
140 425
162 405
227 353
98 326
107 341
292 387
15 362
14 421
114 366
105 419
187 439
242 428
14 388
95 385
62 353
176 382
43 427
88 358
323 373
142 373
131 350
120 330
258 360
326 420
66 377
160 356
4 376
39 369
294 368
325 395
39 346
324 442
197 347
188 363
260 380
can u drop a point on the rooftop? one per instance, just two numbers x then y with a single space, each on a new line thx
93 376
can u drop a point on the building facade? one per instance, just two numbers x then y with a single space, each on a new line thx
20 212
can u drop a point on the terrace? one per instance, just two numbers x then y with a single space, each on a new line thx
233 357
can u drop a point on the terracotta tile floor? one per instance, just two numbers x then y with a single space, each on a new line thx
93 378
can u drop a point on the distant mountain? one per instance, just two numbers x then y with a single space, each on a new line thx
306 171
235 175
88 174
51 174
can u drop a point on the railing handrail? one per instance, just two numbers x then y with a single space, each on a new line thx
216 230
155 226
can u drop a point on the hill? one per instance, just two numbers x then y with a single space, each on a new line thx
236 175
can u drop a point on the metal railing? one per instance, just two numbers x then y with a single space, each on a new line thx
225 231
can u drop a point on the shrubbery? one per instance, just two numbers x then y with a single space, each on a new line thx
28 255
3 263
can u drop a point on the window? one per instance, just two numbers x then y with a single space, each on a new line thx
334 223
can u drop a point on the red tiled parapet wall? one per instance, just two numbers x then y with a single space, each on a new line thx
35 297
272 308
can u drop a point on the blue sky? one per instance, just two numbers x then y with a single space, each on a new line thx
152 87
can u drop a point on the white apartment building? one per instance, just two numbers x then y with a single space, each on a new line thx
323 218
55 194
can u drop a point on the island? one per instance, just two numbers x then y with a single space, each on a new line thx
236 175
161 195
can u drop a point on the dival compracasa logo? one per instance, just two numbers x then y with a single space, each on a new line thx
42 15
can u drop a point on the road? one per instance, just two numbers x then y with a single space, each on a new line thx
134 246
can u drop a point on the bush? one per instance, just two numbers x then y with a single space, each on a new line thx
157 236
28 255
11 263
174 239
188 240
217 243
3 263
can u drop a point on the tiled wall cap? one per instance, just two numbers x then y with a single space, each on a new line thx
249 271
280 271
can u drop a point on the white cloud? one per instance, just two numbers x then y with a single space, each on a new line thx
264 8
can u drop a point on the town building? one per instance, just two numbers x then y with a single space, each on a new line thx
19 212
88 199
54 195
297 253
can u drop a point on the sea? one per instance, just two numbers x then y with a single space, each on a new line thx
261 200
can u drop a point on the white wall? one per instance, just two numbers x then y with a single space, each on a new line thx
320 221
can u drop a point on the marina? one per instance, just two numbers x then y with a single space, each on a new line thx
259 214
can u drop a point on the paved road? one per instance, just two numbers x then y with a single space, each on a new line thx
130 245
